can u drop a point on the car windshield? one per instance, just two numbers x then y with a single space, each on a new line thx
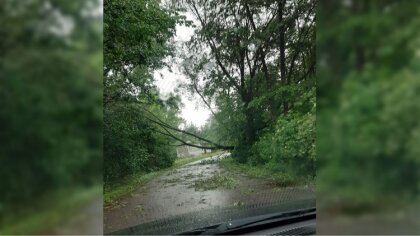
209 112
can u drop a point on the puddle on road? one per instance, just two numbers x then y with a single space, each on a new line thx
174 193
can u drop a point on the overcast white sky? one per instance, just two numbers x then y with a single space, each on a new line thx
193 111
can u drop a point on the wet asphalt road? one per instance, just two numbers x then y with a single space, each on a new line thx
173 193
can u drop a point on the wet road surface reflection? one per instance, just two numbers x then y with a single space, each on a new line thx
175 193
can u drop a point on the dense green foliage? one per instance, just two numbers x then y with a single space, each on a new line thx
369 127
133 146
136 35
255 62
289 146
50 101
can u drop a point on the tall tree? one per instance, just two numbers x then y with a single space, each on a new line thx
255 58
136 36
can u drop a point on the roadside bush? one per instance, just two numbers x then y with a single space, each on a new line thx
241 153
130 144
289 147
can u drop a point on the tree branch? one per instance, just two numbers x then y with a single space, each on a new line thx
260 49
214 50
166 126
300 36
169 134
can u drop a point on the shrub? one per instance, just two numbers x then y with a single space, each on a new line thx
131 145
289 147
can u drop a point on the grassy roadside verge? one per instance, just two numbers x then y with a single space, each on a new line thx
265 172
49 212
115 191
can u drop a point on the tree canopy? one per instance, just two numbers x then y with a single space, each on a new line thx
136 40
255 62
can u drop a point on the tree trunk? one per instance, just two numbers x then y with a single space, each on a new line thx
249 126
282 59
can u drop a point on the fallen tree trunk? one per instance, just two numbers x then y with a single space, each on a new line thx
166 127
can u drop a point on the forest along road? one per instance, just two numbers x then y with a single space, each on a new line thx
193 187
